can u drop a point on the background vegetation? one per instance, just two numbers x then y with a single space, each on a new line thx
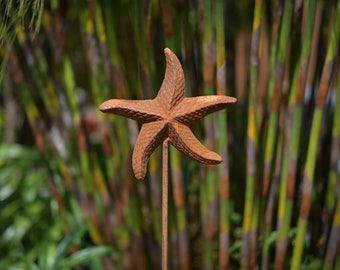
68 197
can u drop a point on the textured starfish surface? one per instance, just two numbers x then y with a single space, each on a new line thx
168 116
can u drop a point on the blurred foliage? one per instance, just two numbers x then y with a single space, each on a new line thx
33 233
68 196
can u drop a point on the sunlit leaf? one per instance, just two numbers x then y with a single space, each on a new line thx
84 255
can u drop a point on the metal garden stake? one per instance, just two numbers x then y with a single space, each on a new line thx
164 119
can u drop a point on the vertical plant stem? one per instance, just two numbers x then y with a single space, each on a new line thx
156 199
179 204
269 212
294 119
332 199
165 204
210 184
222 139
314 140
252 136
276 21
334 239
277 92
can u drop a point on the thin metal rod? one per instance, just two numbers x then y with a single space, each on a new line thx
165 184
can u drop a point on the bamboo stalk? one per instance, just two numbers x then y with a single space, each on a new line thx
314 139
277 92
148 81
276 21
337 260
210 199
156 200
252 136
127 215
294 119
333 243
180 213
224 237
333 200
269 212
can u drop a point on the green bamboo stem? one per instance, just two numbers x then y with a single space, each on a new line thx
317 32
293 121
337 261
252 136
178 226
331 192
100 83
292 138
314 139
156 201
180 213
45 85
222 140
104 198
167 20
332 199
269 212
148 81
132 204
276 21
32 111
70 87
277 92
145 55
42 79
210 184
331 260
38 68
119 83
87 204
125 208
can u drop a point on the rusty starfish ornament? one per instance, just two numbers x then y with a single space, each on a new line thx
169 116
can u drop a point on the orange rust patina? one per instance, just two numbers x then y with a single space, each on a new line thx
169 115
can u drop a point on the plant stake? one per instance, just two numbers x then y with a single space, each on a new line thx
166 118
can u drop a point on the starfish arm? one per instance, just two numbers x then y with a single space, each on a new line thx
151 135
185 141
173 87
195 108
143 111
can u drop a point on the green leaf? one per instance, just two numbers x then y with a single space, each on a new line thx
10 180
9 152
84 255
64 246
29 265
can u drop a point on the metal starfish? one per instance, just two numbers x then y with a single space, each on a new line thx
168 116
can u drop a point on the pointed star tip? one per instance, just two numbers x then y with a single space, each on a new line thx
233 100
216 159
139 174
103 107
139 177
167 50
230 100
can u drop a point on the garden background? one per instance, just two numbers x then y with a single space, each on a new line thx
68 197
